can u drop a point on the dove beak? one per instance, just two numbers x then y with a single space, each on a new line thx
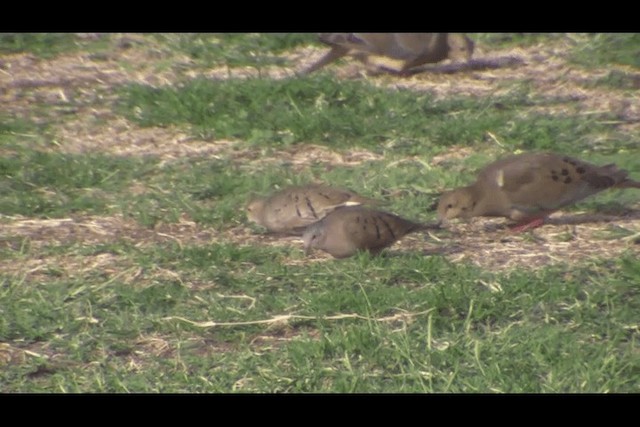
435 225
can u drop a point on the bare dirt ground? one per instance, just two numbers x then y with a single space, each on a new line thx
78 90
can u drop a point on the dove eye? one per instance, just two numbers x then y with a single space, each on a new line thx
450 205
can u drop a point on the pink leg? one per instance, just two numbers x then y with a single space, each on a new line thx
529 224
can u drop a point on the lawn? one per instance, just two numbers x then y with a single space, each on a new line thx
127 263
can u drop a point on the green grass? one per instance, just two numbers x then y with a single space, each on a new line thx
179 301
235 49
16 134
550 331
618 80
506 40
43 184
612 48
321 110
590 49
44 45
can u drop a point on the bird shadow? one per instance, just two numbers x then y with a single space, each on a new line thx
594 217
470 65
586 218
277 235
442 250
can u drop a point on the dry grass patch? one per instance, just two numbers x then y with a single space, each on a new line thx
265 72
569 239
301 157
547 72
118 136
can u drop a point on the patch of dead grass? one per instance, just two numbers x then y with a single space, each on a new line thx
301 156
568 239
120 137
85 232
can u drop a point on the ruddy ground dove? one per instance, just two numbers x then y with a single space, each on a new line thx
528 187
347 230
412 49
291 209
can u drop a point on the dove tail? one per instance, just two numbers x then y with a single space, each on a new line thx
610 176
629 183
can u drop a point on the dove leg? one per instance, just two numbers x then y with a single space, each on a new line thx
527 225
333 55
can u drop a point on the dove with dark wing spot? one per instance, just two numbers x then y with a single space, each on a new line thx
528 187
348 230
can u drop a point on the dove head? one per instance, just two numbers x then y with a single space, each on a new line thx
460 46
458 203
255 209
313 236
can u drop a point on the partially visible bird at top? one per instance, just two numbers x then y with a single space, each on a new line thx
412 49
528 187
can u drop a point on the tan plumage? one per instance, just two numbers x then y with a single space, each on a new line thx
349 229
291 209
413 49
528 187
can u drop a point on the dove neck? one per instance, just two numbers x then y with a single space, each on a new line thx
255 210
486 201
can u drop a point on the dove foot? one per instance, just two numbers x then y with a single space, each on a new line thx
527 225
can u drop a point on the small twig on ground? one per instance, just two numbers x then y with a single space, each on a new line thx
287 317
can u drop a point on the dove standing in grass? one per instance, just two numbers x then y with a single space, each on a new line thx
347 230
291 209
528 187
413 49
